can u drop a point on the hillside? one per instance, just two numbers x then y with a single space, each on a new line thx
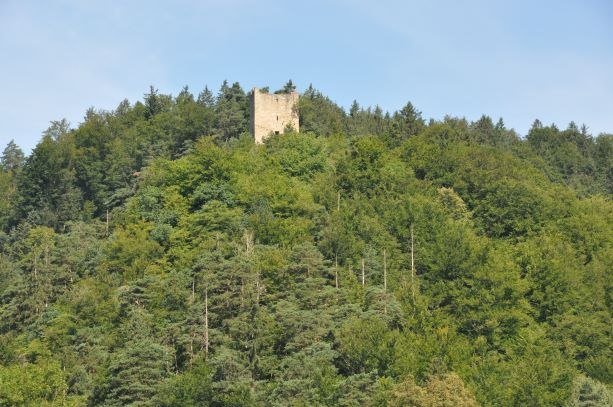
154 255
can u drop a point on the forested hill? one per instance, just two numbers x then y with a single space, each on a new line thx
154 255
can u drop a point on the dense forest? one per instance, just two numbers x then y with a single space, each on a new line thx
155 256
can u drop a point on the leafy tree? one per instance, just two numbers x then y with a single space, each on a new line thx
191 389
589 392
39 383
154 255
365 345
443 390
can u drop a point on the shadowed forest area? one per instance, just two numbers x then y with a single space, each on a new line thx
154 255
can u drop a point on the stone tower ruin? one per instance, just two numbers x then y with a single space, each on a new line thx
271 113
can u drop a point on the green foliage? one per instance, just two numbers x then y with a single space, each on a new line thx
232 107
12 157
365 345
191 389
581 161
47 191
405 123
133 373
155 256
38 379
32 384
439 391
589 393
319 115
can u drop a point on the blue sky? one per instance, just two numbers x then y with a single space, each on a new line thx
518 60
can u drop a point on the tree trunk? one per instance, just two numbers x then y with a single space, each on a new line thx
384 282
384 271
363 277
336 271
206 321
412 266
191 348
257 289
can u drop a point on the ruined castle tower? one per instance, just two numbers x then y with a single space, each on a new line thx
272 113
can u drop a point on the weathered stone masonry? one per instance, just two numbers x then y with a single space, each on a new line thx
272 113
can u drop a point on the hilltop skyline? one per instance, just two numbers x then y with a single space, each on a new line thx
519 61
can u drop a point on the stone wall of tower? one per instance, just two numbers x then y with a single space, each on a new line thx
271 113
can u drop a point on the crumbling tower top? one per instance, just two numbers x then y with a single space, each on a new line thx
272 113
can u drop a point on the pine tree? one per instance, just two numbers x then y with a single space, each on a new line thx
206 98
12 157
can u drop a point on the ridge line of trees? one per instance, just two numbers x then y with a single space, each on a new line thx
154 255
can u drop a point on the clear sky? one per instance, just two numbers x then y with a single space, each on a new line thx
518 60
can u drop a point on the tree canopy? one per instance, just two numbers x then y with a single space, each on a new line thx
154 255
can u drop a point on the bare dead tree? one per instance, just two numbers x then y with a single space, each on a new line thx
206 321
363 276
412 265
385 281
336 270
